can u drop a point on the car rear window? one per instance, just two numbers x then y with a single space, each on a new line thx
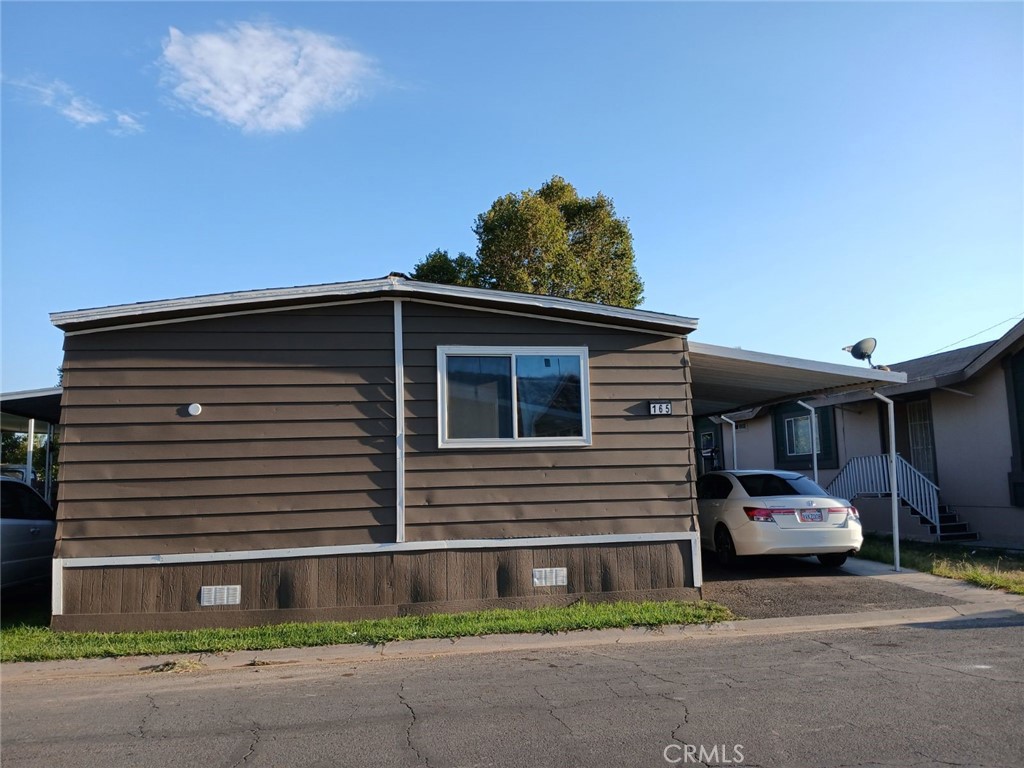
773 485
19 502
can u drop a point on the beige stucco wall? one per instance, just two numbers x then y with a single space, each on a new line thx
856 434
972 446
753 444
972 442
876 517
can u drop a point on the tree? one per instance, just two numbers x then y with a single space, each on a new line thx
439 267
14 446
550 242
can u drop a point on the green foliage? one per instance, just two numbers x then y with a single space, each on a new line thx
12 451
12 448
28 642
551 242
439 267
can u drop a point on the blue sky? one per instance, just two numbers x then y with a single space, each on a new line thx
797 176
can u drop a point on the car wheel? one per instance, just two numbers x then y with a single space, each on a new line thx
725 550
832 559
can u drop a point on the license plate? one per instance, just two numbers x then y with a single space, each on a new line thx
811 516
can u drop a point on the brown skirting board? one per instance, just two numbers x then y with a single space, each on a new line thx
343 587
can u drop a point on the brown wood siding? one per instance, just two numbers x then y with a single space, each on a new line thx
294 446
636 477
355 586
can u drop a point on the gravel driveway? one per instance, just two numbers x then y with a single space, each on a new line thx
773 587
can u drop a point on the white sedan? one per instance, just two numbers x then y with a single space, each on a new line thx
772 512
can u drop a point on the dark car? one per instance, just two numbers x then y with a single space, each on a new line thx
27 537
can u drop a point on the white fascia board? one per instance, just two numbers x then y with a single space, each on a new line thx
852 374
26 394
126 313
217 300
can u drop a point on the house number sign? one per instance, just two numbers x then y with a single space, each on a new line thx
660 407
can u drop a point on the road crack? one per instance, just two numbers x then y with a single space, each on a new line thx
423 760
256 733
551 711
149 712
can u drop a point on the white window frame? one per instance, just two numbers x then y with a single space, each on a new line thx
443 441
815 439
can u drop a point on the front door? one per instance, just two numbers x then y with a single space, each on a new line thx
709 445
922 443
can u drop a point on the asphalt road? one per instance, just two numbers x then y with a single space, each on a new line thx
940 694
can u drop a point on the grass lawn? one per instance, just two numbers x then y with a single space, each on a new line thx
991 568
27 638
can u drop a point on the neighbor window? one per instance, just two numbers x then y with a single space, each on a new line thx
513 395
791 437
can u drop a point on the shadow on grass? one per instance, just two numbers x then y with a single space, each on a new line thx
25 606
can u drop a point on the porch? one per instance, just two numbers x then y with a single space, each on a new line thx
867 477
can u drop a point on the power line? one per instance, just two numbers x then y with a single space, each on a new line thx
968 338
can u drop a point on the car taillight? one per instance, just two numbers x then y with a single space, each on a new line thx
762 515
851 511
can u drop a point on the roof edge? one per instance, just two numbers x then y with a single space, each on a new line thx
999 346
865 374
396 285
24 394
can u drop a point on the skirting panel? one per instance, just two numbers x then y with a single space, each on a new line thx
341 587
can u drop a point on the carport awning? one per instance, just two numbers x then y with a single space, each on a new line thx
18 407
724 380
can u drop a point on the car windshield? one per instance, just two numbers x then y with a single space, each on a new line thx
773 485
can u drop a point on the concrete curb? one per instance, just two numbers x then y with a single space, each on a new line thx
978 604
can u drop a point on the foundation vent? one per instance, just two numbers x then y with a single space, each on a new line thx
221 595
550 577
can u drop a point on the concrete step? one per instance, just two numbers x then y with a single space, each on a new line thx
956 528
969 536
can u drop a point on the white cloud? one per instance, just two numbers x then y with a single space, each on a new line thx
62 98
126 124
263 78
80 110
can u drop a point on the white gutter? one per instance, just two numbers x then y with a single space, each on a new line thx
399 425
731 423
30 444
893 490
814 436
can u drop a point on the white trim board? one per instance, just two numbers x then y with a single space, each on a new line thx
511 352
399 425
369 549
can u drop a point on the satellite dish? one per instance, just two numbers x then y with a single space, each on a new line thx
862 350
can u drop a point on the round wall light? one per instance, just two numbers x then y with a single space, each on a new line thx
195 409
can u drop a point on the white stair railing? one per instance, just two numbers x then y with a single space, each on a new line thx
869 476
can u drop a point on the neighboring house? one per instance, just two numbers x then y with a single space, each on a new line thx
959 426
383 447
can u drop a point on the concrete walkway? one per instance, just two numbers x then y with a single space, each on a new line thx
966 603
